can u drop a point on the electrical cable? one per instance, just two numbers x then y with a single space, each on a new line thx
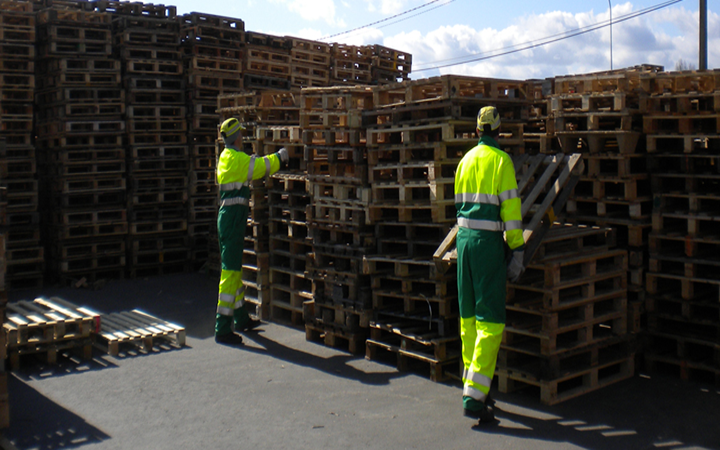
544 41
383 20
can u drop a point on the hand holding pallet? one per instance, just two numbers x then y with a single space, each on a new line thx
531 184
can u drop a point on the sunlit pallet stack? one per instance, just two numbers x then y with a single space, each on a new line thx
260 113
389 65
18 169
289 200
266 61
682 123
566 328
336 158
417 134
81 125
309 63
601 115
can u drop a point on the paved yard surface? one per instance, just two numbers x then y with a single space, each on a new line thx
281 391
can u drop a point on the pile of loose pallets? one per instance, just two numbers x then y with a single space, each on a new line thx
47 327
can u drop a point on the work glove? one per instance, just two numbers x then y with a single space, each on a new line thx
515 267
283 155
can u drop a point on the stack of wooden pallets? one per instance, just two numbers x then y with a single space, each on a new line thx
417 135
4 401
600 115
18 169
213 49
46 327
351 64
682 123
309 63
266 61
336 158
158 151
566 328
389 65
80 145
260 113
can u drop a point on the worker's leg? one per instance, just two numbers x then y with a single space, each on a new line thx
483 318
231 233
230 286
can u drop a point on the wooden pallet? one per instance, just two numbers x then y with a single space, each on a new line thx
569 385
136 328
46 326
409 346
336 337
534 175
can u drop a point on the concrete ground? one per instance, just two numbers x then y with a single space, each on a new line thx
281 391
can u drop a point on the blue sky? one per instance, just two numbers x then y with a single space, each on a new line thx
450 31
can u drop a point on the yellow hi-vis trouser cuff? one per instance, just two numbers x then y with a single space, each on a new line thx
231 294
480 347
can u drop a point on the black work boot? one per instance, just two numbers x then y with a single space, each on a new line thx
486 414
250 325
229 339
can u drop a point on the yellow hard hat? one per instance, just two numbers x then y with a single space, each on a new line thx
488 115
230 127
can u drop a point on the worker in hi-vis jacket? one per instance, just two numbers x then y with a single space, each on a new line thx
488 204
235 171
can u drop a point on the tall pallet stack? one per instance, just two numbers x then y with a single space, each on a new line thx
80 122
289 198
266 62
566 327
158 151
336 157
682 125
600 115
351 64
260 113
213 51
417 135
309 63
24 253
389 65
4 400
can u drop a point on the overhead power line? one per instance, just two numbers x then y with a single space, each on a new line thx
389 18
546 40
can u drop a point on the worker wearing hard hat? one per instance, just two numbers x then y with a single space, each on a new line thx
235 171
487 203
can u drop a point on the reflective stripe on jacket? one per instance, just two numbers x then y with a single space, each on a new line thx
235 170
486 195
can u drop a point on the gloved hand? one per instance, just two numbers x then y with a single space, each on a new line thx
283 154
515 267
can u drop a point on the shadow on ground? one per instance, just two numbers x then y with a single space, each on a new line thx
639 413
56 428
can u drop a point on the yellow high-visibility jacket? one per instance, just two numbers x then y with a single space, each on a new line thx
486 194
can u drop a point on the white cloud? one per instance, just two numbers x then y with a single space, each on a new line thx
387 6
314 10
637 41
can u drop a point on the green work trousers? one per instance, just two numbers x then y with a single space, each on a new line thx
232 221
482 274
